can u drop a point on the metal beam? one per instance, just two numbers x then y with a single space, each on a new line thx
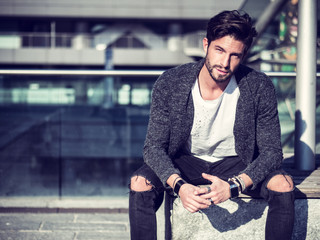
267 16
305 119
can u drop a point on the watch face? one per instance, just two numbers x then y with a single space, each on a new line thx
234 189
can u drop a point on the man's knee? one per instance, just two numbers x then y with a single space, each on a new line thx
281 183
140 184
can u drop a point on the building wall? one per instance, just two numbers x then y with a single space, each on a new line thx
148 9
64 32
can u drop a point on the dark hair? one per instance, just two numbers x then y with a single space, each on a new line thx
234 24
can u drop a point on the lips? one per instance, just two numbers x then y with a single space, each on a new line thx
222 72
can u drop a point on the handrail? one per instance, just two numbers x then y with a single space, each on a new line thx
112 72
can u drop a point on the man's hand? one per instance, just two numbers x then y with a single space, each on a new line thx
191 200
220 190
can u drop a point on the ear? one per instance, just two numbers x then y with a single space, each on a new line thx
205 45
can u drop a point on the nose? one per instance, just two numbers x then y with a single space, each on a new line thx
225 61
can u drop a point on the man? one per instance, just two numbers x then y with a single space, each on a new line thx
214 122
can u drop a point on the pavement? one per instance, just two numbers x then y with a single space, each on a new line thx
88 218
73 218
64 219
64 226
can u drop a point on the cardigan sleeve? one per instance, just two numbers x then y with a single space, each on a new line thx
268 134
156 145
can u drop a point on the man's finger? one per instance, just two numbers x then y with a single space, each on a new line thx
204 202
201 191
209 177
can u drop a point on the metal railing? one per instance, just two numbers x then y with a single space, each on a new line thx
112 72
82 72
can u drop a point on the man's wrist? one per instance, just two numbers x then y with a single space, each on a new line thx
178 185
175 181
239 181
247 180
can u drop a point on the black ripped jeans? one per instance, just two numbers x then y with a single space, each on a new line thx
143 205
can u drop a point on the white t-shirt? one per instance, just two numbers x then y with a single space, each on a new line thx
211 137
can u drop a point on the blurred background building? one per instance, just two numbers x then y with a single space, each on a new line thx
72 129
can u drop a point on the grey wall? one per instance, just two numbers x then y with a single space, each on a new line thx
149 9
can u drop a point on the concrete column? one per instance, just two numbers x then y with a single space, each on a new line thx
305 121
109 80
175 37
53 34
81 40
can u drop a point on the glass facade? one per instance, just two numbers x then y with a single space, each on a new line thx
71 136
83 135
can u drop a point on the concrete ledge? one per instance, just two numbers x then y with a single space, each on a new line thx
240 219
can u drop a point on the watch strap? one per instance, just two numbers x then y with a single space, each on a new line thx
178 185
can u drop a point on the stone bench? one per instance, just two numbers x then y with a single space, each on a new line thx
245 217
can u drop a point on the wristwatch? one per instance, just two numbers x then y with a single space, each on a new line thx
234 189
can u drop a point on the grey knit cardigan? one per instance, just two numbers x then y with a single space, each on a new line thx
256 129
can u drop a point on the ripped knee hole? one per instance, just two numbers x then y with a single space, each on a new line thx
281 183
140 184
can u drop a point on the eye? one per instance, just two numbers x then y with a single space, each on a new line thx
236 56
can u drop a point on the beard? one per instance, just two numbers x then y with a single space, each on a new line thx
219 78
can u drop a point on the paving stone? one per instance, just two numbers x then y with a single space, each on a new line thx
103 235
18 235
16 223
54 226
117 217
39 217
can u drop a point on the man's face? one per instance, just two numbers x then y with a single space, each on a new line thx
223 56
